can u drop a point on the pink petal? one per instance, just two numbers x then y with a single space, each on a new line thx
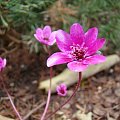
4 62
63 40
41 40
47 31
95 59
95 46
61 94
77 66
52 38
45 42
91 36
63 86
77 33
58 58
39 34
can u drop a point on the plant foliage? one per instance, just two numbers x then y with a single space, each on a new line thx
105 14
26 15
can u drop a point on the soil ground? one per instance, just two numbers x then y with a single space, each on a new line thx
99 95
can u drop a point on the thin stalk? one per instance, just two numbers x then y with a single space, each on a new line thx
15 109
76 88
49 92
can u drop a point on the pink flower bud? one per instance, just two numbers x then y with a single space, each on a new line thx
61 89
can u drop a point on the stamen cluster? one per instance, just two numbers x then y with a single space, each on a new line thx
77 52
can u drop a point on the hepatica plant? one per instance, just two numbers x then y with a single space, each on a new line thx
78 49
45 35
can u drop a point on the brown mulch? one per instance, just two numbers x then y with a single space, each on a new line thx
98 95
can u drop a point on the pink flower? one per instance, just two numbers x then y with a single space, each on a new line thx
62 89
78 49
2 63
45 36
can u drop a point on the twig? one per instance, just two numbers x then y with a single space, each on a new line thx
33 110
8 52
13 39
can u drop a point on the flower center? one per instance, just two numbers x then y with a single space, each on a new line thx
1 63
45 38
62 91
77 52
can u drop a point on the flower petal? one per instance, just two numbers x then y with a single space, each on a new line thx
41 40
47 31
52 38
77 33
77 66
39 34
95 59
63 40
58 58
95 46
62 85
2 63
38 37
91 36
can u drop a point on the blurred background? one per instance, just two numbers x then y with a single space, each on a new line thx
19 19
98 96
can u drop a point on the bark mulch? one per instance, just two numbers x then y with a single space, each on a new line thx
98 98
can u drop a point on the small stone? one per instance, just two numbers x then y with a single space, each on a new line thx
12 84
60 113
22 66
111 71
34 82
99 89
